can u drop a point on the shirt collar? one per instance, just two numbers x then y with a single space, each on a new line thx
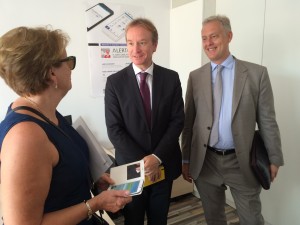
227 63
137 70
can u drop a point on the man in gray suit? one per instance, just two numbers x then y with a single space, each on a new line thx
217 159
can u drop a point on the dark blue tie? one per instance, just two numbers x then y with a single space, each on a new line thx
145 93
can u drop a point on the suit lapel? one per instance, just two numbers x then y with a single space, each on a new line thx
157 87
239 83
207 87
202 87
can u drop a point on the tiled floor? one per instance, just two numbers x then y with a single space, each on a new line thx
187 210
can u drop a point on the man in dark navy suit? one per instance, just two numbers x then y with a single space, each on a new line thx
144 117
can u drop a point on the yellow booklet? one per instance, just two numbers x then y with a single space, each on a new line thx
148 182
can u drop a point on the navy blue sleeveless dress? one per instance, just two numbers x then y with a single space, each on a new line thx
70 182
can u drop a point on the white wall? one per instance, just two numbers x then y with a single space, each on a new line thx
273 44
185 51
281 55
69 16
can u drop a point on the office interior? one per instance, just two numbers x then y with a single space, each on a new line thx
264 32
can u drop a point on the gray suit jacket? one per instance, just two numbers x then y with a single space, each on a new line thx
252 103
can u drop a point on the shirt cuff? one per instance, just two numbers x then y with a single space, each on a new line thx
157 158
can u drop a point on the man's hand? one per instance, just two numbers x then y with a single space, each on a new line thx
185 172
273 170
151 166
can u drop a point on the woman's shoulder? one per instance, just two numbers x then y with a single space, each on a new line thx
21 126
24 137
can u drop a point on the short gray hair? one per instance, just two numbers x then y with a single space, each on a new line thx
223 20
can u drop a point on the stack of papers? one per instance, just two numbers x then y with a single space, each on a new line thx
99 160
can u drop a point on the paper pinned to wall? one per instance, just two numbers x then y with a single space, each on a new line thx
99 160
106 23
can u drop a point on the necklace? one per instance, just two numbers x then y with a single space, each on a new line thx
36 106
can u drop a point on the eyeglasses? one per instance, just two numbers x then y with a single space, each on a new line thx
70 60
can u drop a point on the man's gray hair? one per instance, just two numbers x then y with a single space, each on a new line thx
224 20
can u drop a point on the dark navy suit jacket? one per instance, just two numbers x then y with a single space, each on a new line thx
126 122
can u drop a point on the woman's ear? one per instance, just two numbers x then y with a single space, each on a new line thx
53 78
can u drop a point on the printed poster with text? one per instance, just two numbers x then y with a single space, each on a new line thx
107 49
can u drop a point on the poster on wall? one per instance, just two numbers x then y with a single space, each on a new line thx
107 49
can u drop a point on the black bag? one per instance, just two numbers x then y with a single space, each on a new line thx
260 162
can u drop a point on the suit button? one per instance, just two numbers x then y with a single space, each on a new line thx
205 145
208 128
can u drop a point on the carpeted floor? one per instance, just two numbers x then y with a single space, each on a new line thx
187 210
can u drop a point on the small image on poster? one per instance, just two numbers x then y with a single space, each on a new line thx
105 53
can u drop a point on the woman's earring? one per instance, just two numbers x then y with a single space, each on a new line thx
55 86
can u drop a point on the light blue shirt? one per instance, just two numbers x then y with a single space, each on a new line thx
225 133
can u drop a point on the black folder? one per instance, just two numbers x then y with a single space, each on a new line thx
260 162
